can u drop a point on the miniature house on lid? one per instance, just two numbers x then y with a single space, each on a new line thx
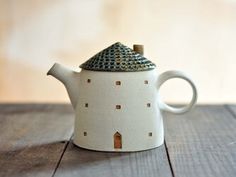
117 105
119 58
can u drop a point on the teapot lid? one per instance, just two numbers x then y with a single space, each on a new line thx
118 58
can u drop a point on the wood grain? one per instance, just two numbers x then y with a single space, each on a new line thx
32 138
231 109
202 143
80 162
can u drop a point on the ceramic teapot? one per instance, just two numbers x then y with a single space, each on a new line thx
116 100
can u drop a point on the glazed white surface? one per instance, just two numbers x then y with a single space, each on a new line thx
101 120
134 121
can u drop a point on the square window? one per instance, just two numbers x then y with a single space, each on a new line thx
150 134
85 133
118 82
146 82
88 80
118 106
86 105
148 104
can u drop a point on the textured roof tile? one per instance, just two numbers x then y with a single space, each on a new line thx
118 58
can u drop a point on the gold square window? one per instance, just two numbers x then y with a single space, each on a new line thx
118 82
118 106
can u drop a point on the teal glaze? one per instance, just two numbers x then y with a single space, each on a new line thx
118 58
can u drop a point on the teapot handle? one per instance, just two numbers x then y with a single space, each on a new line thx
176 74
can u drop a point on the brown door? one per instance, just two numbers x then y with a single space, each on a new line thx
117 141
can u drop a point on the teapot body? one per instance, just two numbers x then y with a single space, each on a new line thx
116 100
118 111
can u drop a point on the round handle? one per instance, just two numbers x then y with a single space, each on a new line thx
176 74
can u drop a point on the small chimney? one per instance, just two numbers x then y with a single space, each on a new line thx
138 48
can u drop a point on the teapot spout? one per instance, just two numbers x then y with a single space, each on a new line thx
69 78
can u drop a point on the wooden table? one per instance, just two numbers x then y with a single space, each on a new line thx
35 140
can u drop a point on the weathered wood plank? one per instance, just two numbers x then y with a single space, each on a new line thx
202 143
231 109
80 162
32 138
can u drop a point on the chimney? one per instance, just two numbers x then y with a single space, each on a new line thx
138 48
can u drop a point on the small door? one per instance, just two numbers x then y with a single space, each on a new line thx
117 140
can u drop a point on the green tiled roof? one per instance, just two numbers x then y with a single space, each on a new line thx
118 58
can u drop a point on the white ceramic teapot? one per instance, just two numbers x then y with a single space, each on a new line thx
116 100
